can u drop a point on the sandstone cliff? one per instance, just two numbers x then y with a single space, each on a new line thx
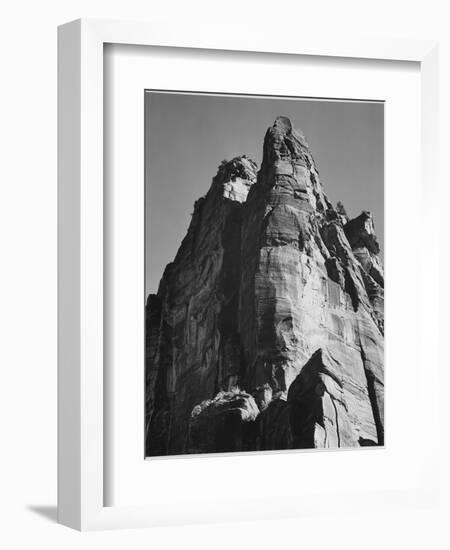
267 328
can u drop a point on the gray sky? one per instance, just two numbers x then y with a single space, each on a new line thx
188 135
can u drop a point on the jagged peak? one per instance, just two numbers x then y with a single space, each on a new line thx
241 167
341 212
360 232
284 124
235 177
284 142
288 167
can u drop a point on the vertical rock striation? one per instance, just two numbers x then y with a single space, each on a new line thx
267 328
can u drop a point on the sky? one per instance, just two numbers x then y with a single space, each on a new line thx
188 135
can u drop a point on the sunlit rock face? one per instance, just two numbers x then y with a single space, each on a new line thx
267 328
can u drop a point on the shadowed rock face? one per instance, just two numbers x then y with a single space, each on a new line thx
267 329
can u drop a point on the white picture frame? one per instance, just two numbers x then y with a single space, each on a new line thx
81 408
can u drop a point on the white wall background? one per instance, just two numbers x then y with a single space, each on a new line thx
28 270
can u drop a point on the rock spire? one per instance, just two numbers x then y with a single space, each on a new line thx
267 328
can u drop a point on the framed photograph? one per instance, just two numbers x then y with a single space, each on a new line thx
235 280
264 298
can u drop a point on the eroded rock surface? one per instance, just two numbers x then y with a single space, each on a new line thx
267 328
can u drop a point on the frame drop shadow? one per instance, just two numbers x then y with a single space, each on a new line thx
50 513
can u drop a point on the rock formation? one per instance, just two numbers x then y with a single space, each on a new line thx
267 328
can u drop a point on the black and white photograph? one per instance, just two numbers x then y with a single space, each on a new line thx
264 277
